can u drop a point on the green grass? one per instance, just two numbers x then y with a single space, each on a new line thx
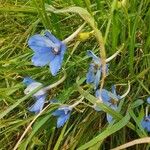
127 24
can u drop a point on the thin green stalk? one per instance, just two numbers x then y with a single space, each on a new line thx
47 20
61 136
88 5
44 21
113 7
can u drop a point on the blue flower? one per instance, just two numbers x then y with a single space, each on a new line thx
38 105
146 123
62 114
39 96
148 100
48 50
95 70
109 98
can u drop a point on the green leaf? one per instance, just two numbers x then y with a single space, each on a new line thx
110 130
138 123
61 136
136 103
24 144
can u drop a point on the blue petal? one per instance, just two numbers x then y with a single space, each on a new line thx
109 118
148 100
62 51
62 111
90 76
103 94
97 78
53 101
38 105
66 109
41 59
95 58
32 87
52 37
28 80
113 89
58 112
62 120
55 65
148 127
40 43
107 69
146 123
114 107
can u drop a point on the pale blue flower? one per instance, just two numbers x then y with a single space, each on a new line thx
146 123
62 114
48 50
111 99
39 96
95 70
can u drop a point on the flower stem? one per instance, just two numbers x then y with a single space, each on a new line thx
115 54
29 126
56 83
146 111
74 34
128 90
77 103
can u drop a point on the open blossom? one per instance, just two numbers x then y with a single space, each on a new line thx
48 50
109 98
95 70
62 114
146 123
39 96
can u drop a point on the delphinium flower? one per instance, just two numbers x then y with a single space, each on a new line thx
146 123
146 120
48 50
111 99
39 96
95 70
62 114
64 111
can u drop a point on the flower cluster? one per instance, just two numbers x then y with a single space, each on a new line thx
62 113
93 76
48 50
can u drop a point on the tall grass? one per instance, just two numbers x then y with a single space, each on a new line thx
120 22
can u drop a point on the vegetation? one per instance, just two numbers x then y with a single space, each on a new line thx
107 26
